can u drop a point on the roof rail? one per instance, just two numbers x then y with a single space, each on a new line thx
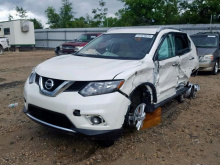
167 27
114 28
129 27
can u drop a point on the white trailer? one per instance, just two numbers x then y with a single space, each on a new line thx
19 32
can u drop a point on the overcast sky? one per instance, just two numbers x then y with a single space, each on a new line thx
36 8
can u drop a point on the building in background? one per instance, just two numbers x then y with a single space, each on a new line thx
19 32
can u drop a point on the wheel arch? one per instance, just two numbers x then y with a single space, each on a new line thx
146 85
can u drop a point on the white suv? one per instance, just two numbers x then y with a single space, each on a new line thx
114 80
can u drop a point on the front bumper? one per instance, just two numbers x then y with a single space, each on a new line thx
111 107
95 134
206 66
63 51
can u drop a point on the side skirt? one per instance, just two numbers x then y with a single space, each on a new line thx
152 107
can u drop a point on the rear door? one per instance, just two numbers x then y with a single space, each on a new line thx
183 50
168 64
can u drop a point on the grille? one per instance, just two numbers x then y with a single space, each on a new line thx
50 117
68 47
56 83
77 85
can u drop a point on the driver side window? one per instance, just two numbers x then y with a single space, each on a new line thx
166 48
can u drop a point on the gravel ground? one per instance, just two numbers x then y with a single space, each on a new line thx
188 135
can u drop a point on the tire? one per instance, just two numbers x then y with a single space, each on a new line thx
215 68
1 50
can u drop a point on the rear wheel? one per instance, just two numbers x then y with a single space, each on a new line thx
215 68
1 50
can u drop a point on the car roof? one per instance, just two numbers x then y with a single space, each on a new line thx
133 30
140 30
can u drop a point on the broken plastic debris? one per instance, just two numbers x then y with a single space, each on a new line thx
13 105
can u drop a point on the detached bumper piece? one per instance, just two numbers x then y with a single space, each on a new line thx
61 123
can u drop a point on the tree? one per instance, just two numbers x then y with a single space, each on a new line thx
66 14
145 12
100 13
80 22
21 12
169 12
110 22
53 17
200 11
37 23
63 19
10 17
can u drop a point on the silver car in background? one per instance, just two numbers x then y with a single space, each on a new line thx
208 47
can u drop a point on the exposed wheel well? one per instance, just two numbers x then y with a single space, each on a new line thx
140 95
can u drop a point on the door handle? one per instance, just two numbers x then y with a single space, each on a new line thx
192 58
176 64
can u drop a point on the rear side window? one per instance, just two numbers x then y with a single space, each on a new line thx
182 44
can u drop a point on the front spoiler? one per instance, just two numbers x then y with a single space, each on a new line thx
94 134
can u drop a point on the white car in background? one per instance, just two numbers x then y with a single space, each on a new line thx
113 81
4 43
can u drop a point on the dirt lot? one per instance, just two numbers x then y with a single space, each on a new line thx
188 135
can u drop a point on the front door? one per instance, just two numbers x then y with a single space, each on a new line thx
168 64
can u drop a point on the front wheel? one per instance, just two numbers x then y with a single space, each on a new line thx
215 68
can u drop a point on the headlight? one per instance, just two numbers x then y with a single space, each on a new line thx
98 88
208 57
78 48
61 47
32 77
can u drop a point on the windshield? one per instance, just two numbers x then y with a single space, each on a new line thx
119 46
205 40
86 37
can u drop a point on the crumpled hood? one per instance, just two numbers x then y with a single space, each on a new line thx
205 51
75 68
